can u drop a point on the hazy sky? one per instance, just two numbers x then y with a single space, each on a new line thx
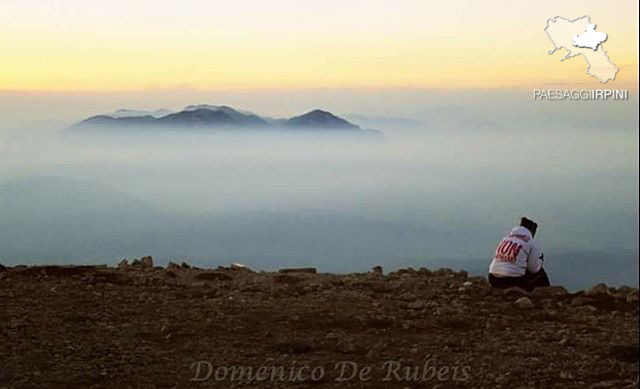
48 45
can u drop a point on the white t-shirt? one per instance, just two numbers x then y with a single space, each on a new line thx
516 253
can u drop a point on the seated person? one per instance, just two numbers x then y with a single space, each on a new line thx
518 260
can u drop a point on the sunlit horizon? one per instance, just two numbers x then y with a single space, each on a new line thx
68 46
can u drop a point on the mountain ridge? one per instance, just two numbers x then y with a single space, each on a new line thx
219 117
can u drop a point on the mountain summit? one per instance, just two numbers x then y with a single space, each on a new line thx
320 119
203 117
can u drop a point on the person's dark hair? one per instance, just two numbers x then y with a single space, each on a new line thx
529 225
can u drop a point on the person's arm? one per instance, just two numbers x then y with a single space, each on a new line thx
534 262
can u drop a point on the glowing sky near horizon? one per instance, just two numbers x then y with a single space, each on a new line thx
138 44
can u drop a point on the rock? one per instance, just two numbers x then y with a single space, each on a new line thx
467 284
419 304
463 274
409 271
597 290
239 267
173 266
624 291
480 281
213 276
2 268
185 265
170 273
379 287
288 279
579 301
589 308
515 291
136 262
408 296
566 375
424 271
446 272
550 291
377 270
346 346
524 303
123 264
16 322
147 262
308 270
606 384
495 292
632 297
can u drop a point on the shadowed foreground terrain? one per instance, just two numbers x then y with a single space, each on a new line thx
143 326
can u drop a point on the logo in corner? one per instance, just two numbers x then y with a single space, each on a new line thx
579 37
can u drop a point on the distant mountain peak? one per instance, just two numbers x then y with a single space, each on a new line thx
223 108
319 112
193 107
320 119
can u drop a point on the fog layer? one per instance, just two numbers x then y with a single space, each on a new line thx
427 195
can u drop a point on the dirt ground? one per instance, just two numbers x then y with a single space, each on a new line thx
137 325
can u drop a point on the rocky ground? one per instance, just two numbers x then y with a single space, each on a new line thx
137 325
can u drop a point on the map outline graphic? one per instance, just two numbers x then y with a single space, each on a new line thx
569 52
